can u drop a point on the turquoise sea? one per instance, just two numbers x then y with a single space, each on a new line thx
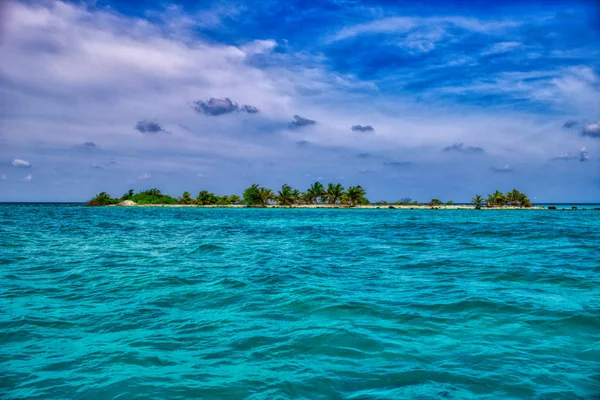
174 303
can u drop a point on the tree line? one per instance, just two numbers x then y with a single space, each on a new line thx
333 194
255 195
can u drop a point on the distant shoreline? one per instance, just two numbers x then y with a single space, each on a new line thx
336 206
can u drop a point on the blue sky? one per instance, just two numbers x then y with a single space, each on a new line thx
443 99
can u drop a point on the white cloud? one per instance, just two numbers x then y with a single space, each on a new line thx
502 47
20 163
28 178
400 25
144 177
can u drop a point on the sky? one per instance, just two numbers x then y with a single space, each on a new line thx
430 99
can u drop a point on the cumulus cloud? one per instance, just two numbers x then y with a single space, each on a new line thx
591 130
20 163
97 166
89 144
570 123
28 178
583 154
301 121
504 168
461 148
249 109
215 107
361 128
144 177
147 126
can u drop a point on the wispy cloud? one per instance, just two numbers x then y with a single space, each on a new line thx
461 148
215 107
144 177
397 163
504 168
581 156
28 178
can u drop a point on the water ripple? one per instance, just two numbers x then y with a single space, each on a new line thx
318 304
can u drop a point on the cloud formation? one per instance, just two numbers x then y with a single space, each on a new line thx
397 163
570 123
89 144
28 178
461 148
504 168
20 163
143 177
150 127
582 156
299 121
591 130
215 107
361 128
302 143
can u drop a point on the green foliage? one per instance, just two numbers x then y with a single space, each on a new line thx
285 196
153 196
102 199
315 192
186 198
253 195
206 198
477 201
435 202
128 195
355 195
382 203
334 193
234 199
449 202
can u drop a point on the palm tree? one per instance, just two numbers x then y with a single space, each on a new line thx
354 195
128 195
315 191
513 197
496 199
285 196
296 196
205 198
186 198
334 193
266 195
306 198
252 195
477 201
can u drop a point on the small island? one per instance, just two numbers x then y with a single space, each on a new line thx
316 196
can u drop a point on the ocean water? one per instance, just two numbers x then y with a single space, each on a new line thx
172 303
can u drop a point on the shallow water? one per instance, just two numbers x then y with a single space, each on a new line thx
137 303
